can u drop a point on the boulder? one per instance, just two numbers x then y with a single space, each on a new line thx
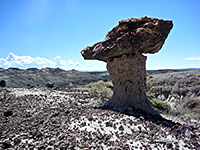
3 83
50 85
144 35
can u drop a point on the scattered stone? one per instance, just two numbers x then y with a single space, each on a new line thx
108 124
50 85
67 111
52 129
2 83
6 145
36 134
83 124
42 147
28 115
100 137
8 113
85 128
64 147
169 145
121 128
90 119
141 117
56 114
30 86
17 141
186 131
53 107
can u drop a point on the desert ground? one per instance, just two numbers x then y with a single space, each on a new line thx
39 116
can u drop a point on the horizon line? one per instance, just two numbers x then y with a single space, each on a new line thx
91 70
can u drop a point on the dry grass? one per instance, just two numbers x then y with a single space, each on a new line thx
160 105
102 88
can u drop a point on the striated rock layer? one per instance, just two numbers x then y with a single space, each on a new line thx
128 75
122 49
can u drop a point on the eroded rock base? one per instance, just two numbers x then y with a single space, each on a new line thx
128 74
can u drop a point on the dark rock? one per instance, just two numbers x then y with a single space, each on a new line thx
53 121
6 145
100 137
64 146
83 124
50 85
3 83
37 134
52 129
8 113
108 124
121 128
169 145
17 141
90 119
67 111
41 147
72 146
28 115
56 114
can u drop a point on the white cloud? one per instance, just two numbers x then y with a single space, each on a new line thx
74 64
77 64
193 58
13 60
70 62
44 61
59 61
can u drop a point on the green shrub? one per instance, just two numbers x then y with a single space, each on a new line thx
161 105
191 107
70 85
102 88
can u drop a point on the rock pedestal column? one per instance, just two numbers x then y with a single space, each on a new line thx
122 50
128 75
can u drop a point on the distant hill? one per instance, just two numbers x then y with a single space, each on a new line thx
15 77
161 71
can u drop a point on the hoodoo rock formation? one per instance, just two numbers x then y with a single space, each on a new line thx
123 50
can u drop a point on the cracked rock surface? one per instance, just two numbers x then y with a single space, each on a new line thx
144 35
42 118
128 78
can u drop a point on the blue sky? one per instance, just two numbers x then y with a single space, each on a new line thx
51 33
